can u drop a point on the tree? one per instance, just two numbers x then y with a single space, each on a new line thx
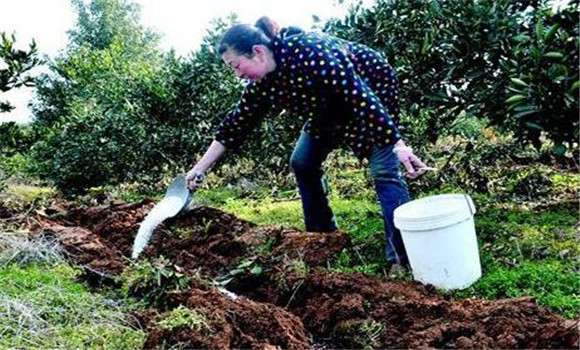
481 57
15 67
100 23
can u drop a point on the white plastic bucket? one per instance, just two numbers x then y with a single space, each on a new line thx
439 236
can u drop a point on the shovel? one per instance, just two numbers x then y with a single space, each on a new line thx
178 189
176 200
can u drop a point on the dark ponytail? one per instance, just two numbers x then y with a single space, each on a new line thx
243 37
268 26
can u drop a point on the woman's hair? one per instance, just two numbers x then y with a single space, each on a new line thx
243 37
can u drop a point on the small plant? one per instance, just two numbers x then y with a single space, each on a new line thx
369 332
151 281
185 317
184 232
362 335
206 225
265 248
299 267
291 278
247 266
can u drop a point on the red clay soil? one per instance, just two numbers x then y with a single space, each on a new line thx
342 307
292 296
240 323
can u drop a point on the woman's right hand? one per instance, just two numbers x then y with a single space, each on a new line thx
415 167
194 179
196 175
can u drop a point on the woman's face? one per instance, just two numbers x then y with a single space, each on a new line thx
254 68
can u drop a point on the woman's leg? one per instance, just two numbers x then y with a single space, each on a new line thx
392 191
306 163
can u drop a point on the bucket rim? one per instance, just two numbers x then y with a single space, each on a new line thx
463 209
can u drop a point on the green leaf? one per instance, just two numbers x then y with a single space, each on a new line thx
515 98
521 38
550 33
526 108
519 82
533 125
553 54
256 270
524 113
244 264
540 30
560 149
575 85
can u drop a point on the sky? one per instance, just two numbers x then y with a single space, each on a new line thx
181 23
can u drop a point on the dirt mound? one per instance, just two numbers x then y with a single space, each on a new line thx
229 323
87 249
287 291
358 311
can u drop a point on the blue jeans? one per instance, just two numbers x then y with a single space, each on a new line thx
306 162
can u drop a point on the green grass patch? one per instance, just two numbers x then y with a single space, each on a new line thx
45 308
517 233
565 182
266 211
551 282
30 193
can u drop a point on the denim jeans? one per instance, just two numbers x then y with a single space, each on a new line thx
306 162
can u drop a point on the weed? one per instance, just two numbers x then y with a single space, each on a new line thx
246 266
361 335
182 316
370 331
152 280
206 225
183 232
265 248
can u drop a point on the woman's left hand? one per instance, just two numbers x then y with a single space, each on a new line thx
415 167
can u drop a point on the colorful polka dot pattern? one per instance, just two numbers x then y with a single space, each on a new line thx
345 91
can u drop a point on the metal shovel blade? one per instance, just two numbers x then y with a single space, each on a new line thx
177 198
180 194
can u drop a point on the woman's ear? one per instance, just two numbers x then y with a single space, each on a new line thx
259 51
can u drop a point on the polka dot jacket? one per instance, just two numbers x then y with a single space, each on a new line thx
347 93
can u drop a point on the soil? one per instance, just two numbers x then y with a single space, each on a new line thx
5 212
291 301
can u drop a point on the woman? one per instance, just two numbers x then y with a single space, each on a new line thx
347 92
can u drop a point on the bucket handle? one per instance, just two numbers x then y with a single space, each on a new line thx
470 204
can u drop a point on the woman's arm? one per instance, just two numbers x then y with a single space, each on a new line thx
213 153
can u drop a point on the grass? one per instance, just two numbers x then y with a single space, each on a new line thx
551 282
21 249
30 193
44 307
